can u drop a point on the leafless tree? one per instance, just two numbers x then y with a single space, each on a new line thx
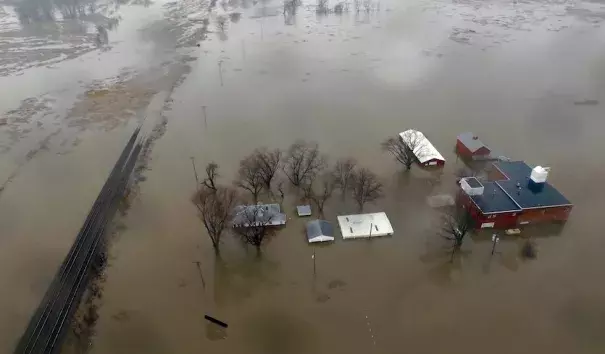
211 175
303 163
280 190
255 225
215 208
343 172
366 187
405 149
320 191
322 7
250 177
456 222
268 162
529 250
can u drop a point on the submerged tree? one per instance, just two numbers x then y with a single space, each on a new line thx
268 162
365 186
343 173
215 208
254 225
211 175
250 177
320 191
405 149
455 225
303 163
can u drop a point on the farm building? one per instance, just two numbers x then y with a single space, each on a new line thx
319 231
425 152
364 225
516 195
258 215
469 146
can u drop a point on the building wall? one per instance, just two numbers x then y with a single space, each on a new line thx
533 216
463 151
434 163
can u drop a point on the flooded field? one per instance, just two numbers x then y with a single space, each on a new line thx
526 76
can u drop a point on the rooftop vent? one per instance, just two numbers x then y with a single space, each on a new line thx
539 174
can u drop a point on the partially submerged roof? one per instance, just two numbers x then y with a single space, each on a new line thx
364 225
303 210
423 149
259 214
526 193
517 191
471 141
320 231
494 200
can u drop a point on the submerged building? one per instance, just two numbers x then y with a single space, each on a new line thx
515 195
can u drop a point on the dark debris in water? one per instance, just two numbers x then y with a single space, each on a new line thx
586 103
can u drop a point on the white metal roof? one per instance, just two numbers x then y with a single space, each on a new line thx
365 225
424 150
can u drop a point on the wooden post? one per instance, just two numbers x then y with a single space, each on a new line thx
220 71
197 180
205 118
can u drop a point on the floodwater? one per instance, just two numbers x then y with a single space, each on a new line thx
526 76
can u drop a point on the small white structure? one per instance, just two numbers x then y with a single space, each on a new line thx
471 186
303 210
539 174
364 225
319 231
425 152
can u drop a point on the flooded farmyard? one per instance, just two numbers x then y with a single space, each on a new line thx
212 81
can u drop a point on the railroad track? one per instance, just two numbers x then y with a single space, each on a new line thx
50 322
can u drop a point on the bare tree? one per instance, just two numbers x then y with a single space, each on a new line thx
215 208
250 177
268 162
211 175
405 149
320 192
254 225
455 225
366 187
303 163
343 172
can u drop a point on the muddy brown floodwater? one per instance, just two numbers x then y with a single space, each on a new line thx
526 76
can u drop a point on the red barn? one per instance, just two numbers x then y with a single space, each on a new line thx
468 145
519 195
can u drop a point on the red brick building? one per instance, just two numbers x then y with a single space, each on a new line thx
515 195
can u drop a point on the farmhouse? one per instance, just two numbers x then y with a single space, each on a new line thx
425 152
515 195
469 146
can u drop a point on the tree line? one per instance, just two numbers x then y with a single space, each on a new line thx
302 166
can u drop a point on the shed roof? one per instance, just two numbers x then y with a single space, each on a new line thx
423 149
365 225
526 193
263 214
471 141
320 231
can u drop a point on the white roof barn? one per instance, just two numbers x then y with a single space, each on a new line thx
425 152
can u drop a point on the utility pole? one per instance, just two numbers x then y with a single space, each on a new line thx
199 267
220 71
197 180
313 257
205 118
495 240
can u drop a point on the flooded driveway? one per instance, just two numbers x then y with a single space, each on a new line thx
526 76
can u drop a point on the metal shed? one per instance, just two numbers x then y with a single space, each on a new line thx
320 231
